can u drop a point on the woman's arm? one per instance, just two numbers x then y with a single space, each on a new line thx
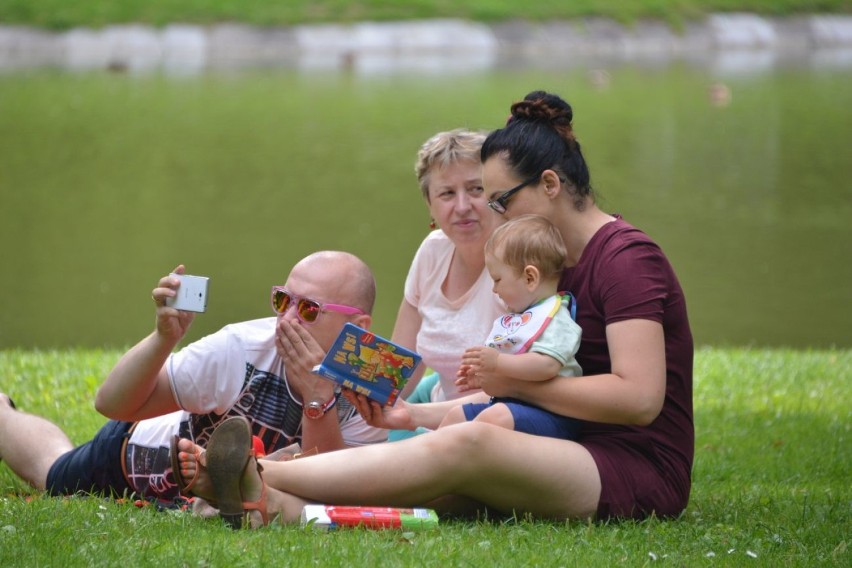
405 332
406 416
632 393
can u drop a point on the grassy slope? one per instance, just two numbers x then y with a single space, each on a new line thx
64 14
771 487
772 453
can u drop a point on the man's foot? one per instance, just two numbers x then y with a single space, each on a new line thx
7 400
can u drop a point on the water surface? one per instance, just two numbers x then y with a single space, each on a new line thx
108 180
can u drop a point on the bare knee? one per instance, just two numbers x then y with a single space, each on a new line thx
465 442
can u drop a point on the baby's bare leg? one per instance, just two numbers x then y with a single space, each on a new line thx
454 416
497 414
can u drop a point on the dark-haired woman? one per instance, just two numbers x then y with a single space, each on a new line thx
635 452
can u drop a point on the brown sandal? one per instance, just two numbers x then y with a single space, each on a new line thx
260 504
229 454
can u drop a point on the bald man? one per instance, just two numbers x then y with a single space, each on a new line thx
259 369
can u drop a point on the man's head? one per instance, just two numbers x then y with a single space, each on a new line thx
331 277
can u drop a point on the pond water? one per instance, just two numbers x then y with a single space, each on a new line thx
108 180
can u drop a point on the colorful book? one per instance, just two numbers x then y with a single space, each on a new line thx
368 364
328 517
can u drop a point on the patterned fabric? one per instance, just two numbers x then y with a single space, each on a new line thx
211 385
515 333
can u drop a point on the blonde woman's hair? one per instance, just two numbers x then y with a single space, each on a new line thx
444 149
529 240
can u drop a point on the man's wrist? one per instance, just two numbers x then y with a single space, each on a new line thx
319 389
317 408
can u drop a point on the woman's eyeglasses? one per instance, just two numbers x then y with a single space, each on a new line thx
499 204
306 309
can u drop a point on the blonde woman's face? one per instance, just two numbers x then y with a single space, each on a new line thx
457 202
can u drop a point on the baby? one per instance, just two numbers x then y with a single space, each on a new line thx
536 341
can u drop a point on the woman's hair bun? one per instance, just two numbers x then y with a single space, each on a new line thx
539 106
542 106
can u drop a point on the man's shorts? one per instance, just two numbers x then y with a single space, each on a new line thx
94 467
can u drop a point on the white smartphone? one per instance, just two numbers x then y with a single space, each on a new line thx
191 294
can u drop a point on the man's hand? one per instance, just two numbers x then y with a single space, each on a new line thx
172 324
301 353
138 386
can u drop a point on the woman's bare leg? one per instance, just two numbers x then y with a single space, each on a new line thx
506 470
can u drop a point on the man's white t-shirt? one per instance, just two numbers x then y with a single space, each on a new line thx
233 372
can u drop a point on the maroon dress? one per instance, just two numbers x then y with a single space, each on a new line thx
622 274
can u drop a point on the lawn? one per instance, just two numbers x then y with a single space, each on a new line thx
771 488
62 14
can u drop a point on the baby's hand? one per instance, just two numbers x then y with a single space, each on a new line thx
482 359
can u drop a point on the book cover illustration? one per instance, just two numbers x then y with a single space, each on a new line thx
368 364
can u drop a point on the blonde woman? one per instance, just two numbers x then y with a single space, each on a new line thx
448 301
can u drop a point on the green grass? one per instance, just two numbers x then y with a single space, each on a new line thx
771 487
60 14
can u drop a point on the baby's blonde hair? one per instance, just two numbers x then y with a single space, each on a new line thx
529 240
